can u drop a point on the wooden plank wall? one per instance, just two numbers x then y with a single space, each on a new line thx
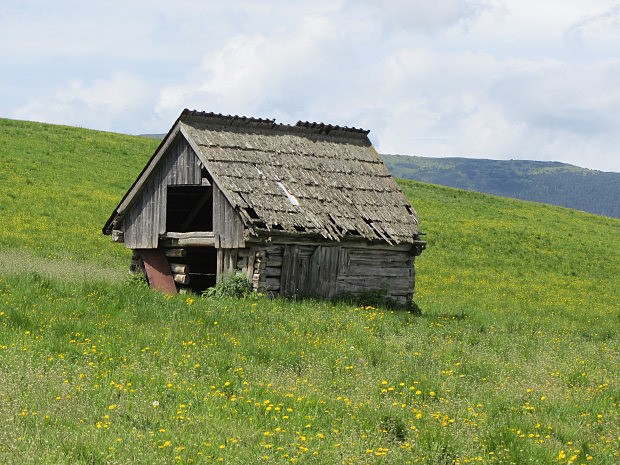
227 225
253 261
373 269
310 270
297 270
268 269
146 218
331 270
226 262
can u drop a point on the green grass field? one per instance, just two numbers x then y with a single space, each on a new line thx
514 359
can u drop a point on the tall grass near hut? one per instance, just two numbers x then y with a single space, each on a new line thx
513 359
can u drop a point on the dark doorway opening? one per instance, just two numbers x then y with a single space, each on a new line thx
202 263
189 208
199 265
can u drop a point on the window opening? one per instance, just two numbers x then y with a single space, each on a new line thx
189 208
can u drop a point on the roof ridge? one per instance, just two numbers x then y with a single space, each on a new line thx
327 128
228 120
249 121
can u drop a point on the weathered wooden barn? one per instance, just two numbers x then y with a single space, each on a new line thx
304 210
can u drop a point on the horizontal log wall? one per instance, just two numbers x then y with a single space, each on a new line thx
330 270
378 269
262 266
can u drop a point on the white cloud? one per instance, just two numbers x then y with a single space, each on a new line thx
599 27
491 78
255 73
476 105
421 15
99 104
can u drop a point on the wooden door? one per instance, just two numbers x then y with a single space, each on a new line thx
309 271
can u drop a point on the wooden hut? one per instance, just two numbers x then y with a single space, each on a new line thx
303 210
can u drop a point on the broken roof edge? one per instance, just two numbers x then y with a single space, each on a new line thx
222 121
260 234
301 127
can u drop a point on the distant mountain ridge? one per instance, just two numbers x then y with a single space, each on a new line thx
554 183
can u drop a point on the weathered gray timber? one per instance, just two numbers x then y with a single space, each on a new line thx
175 253
198 238
328 270
227 224
181 278
145 219
304 210
179 268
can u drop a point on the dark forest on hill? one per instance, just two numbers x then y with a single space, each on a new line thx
554 183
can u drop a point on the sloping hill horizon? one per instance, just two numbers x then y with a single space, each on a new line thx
549 182
513 358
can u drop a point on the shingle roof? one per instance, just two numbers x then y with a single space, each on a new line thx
310 178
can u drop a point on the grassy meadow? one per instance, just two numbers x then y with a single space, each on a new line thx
514 359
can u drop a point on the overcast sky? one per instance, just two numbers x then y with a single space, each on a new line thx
526 79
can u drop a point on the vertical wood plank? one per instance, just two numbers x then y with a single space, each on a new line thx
285 283
217 227
343 261
330 276
227 224
220 265
222 220
315 276
146 217
250 264
302 276
294 271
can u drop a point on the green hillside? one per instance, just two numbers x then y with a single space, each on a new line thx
547 182
513 359
59 186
